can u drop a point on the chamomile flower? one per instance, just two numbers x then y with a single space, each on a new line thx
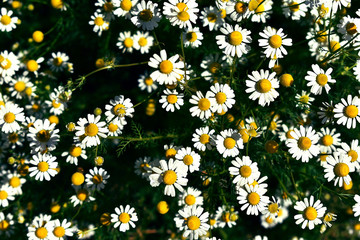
347 111
21 87
326 112
211 17
260 10
146 82
189 159
11 116
15 181
202 105
225 217
33 65
304 144
57 102
268 222
7 22
311 212
61 229
40 228
143 167
145 15
124 218
99 23
253 199
167 70
329 217
191 196
294 9
9 64
125 8
75 152
6 194
304 100
352 150
319 79
6 224
83 194
125 42
172 174
96 179
273 41
92 129
229 142
235 40
356 207
237 10
213 64
193 221
262 86
43 135
58 61
182 13
272 208
329 140
143 41
45 167
338 167
171 100
192 37
203 138
14 139
221 97
244 171
115 128
107 8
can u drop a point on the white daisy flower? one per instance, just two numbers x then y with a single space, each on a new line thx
285 134
146 82
273 42
172 174
213 65
82 195
310 212
229 142
294 9
119 108
58 61
7 224
15 139
268 222
143 167
9 64
353 151
272 209
61 229
326 112
347 111
253 199
107 8
86 232
125 42
225 217
125 8
58 103
304 145
15 181
329 140
171 100
74 153
304 100
235 40
115 128
192 37
244 171
6 194
33 65
260 11
99 23
237 10
11 116
319 79
193 221
181 13
143 41
211 17
145 15
124 218
190 196
202 105
170 150
338 167
356 207
45 167
221 97
43 136
92 129
262 86
203 138
40 228
329 217
189 158
97 179
7 23
348 27
168 70
22 87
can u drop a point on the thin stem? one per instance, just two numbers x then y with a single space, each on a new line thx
143 139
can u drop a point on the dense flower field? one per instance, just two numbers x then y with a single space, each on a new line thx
179 119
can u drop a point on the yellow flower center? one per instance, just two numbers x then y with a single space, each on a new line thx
212 222
14 182
126 5
143 167
341 169
119 110
142 42
323 157
172 98
82 194
28 91
128 42
190 200
32 65
204 104
226 217
191 36
328 218
351 111
214 67
183 16
166 67
254 6
55 104
91 130
108 7
351 28
5 20
124 217
273 125
304 143
240 7
57 4
353 154
57 61
220 97
271 146
75 151
43 136
3 195
41 233
169 177
269 220
99 21
145 15
273 208
229 143
275 41
304 99
294 7
204 138
7 65
334 45
148 81
245 171
253 198
113 127
211 17
162 207
321 79
19 86
235 38
263 86
9 117
182 6
170 153
59 232
322 37
310 213
43 166
327 140
77 178
97 179
188 160
348 186
35 107
193 222
4 225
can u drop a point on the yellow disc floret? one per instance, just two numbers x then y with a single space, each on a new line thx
166 67
327 140
59 232
321 79
253 198
169 177
341 169
190 200
204 104
41 232
43 166
304 143
188 160
235 38
263 86
229 143
275 41
351 111
124 217
193 222
310 213
77 178
91 130
9 117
